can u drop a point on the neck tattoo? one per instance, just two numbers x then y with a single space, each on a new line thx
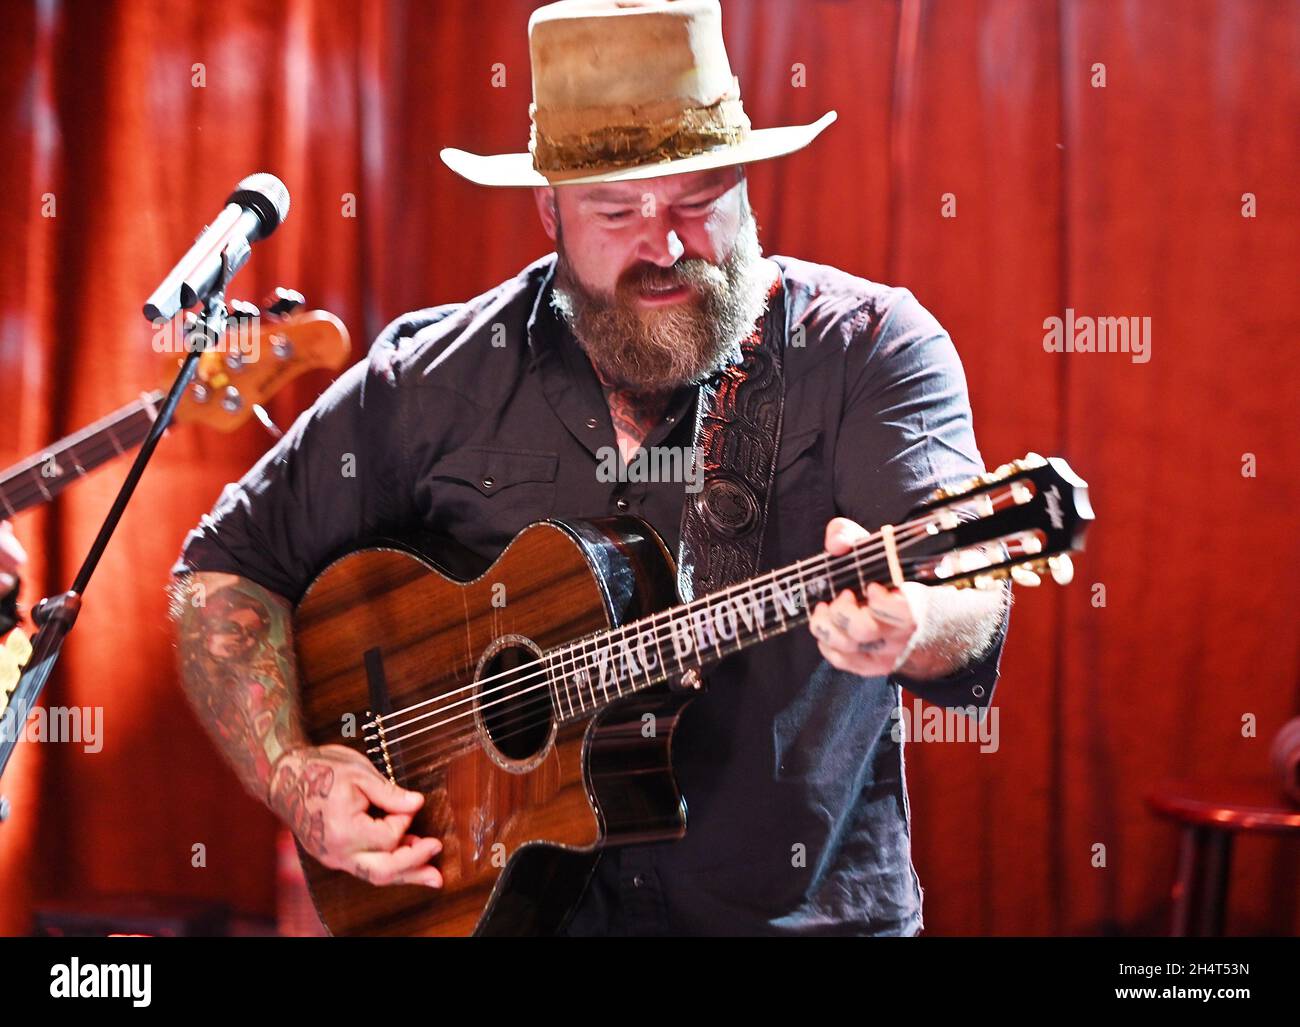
634 413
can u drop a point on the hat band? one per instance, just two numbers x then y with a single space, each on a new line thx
615 140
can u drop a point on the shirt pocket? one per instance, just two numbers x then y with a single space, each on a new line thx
802 498
799 447
482 496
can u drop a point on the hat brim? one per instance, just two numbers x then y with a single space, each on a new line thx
516 169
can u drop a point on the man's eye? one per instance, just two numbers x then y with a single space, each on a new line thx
700 207
614 217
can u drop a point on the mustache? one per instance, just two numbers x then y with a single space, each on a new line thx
693 271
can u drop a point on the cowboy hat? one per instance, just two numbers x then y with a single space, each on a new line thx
630 89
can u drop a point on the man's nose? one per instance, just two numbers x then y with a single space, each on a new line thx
659 243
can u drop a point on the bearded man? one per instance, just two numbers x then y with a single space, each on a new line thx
478 418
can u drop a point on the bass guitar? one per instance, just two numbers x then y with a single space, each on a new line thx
228 387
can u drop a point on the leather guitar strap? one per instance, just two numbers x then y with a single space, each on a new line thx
737 431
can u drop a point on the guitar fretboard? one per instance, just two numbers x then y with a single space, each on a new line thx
42 477
587 675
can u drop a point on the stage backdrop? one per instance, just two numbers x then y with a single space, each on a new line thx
1008 160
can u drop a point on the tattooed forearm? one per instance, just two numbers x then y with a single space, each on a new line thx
237 670
294 790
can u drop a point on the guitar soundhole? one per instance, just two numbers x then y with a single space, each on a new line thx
513 701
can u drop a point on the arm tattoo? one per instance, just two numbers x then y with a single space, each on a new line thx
294 789
238 672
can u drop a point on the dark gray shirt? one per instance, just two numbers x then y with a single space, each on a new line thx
477 418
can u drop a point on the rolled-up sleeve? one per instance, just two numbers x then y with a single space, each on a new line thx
906 431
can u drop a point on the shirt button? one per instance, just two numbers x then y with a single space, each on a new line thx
671 418
488 482
622 504
592 422
638 881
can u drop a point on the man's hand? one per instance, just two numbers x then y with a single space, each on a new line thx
324 794
938 628
12 558
866 638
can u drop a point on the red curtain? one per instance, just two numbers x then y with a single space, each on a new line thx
126 124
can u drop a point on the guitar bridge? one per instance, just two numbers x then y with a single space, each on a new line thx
387 768
379 708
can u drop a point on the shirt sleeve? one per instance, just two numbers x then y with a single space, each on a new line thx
330 482
906 431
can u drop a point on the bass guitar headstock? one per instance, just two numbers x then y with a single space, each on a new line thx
258 355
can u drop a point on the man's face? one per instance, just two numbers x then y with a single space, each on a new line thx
658 278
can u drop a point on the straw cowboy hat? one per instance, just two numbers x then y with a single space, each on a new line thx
630 89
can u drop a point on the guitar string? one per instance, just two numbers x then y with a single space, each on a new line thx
795 570
122 415
540 699
26 491
412 761
559 653
435 750
917 529
543 671
461 739
538 702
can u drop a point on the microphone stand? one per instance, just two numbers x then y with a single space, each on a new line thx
56 615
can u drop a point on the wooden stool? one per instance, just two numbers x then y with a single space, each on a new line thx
1211 813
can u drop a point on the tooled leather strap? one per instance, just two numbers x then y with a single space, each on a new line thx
737 431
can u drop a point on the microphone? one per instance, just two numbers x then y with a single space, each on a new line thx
253 211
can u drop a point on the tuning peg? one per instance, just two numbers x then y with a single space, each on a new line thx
1022 575
1061 568
283 301
1031 544
242 310
264 419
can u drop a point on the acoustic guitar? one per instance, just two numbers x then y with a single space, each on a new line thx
533 702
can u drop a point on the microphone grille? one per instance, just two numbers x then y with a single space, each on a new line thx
267 196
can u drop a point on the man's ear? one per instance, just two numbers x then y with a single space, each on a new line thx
544 195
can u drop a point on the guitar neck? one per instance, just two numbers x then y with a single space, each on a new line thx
40 478
590 673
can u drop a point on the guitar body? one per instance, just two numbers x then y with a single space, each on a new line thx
522 806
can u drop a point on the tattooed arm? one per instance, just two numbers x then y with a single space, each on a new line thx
238 671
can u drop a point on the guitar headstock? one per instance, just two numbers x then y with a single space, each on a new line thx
1032 513
257 357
